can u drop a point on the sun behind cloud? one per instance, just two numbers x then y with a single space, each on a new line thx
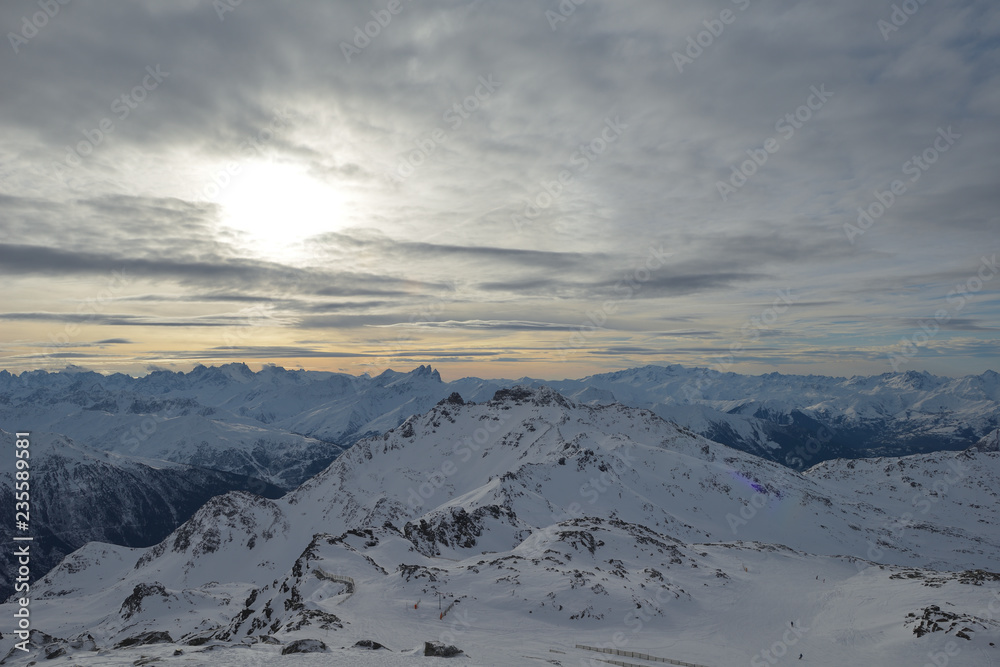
276 206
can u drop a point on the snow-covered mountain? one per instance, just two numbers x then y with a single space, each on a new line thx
538 523
281 427
78 494
228 427
178 418
800 420
989 442
284 426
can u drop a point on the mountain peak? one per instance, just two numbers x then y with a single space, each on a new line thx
541 395
420 372
235 371
989 442
427 372
454 399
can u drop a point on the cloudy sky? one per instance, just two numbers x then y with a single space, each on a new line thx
501 188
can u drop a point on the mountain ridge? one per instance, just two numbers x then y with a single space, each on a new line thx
569 514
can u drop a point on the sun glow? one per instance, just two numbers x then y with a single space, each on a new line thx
275 207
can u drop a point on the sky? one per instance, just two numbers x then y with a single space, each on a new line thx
501 188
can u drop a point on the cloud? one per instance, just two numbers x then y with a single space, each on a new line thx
78 344
484 324
126 320
427 174
411 251
953 324
269 351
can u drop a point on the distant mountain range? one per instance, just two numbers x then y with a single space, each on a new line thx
284 426
542 523
800 420
226 428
